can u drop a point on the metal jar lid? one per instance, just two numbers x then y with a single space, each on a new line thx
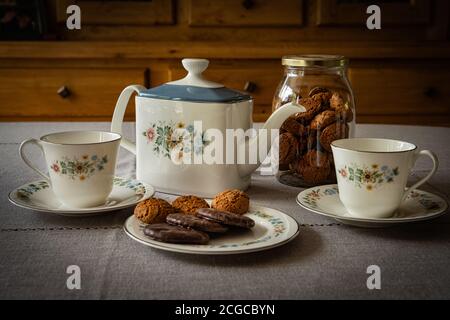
314 60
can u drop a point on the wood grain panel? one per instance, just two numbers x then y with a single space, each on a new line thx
402 90
32 93
121 50
245 13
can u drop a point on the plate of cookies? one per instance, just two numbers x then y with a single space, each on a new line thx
228 224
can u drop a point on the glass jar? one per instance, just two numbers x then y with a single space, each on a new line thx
318 83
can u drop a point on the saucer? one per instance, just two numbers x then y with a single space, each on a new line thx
419 206
38 196
272 228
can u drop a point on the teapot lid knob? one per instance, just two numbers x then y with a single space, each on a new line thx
195 66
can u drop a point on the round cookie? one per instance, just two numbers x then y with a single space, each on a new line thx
174 234
314 167
323 119
344 114
194 222
336 101
287 148
312 106
234 201
317 90
333 132
153 210
323 97
292 126
227 218
188 204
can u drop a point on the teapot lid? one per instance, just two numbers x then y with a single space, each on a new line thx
194 87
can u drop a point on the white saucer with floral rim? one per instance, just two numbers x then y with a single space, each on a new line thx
38 196
272 228
419 206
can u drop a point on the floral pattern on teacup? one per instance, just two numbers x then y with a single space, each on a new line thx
425 200
79 168
314 195
25 192
167 137
369 177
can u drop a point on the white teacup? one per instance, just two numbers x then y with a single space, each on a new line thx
81 165
372 174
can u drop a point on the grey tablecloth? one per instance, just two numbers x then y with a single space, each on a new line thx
327 260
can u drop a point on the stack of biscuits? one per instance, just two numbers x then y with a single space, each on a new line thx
191 220
306 137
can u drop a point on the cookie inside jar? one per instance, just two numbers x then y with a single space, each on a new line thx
305 156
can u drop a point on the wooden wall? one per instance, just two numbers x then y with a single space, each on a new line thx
400 74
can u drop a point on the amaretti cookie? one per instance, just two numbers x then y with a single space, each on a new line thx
314 166
153 210
323 119
287 148
235 201
189 204
333 132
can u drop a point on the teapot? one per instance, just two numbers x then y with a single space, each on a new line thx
182 104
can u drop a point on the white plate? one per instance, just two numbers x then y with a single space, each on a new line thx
272 228
324 200
38 196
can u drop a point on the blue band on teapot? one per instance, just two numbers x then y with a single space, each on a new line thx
195 94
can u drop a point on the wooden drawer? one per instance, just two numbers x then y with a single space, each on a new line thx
262 83
32 93
157 12
245 13
402 91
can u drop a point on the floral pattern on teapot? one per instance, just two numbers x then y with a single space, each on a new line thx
168 136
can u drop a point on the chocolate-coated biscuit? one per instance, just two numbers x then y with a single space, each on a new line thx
287 148
323 119
227 218
194 222
174 234
188 204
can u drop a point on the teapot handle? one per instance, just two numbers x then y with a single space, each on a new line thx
119 112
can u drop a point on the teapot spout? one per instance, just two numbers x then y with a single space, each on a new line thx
274 122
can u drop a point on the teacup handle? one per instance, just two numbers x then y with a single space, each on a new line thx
429 175
119 112
27 161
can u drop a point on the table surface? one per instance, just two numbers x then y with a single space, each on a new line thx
327 259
